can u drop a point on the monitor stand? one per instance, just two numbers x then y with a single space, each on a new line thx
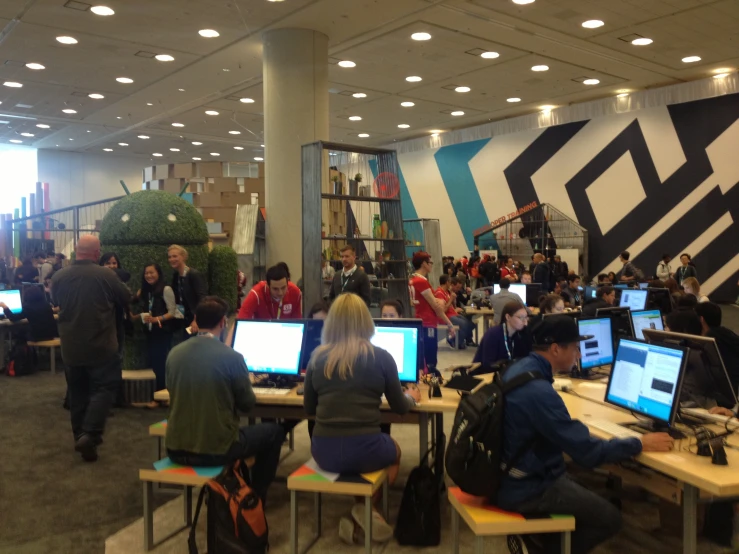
586 375
652 426
270 381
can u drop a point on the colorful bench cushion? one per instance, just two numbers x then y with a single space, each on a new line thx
310 472
165 465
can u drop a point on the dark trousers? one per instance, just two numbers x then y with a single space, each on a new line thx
596 519
466 328
384 427
159 345
430 347
263 442
92 390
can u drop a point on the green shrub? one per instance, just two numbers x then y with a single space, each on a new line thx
222 275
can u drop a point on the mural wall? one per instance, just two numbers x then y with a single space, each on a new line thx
657 181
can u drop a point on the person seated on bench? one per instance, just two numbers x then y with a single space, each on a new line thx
537 430
344 384
208 384
571 292
38 312
605 297
507 341
447 293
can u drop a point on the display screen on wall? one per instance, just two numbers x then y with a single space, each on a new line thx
20 173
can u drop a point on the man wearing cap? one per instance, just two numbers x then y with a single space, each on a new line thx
538 430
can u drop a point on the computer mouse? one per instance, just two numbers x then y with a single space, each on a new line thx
300 390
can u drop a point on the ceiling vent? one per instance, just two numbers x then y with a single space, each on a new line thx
145 54
79 6
630 38
450 87
14 63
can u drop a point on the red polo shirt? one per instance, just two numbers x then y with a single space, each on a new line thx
259 303
441 294
424 310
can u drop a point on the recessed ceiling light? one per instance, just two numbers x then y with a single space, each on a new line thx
238 147
622 94
262 145
108 149
407 104
359 95
42 126
546 108
363 135
71 139
214 154
511 100
27 134
102 10
143 137
197 143
226 69
69 110
178 124
157 155
347 63
208 33
457 113
96 96
122 144
720 75
462 89
118 117
88 131
523 2
35 66
246 100
540 68
174 149
643 41
434 134
16 141
211 112
258 159
67 40
12 84
197 159
124 80
234 132
149 104
691 59
164 58
489 55
593 23
590 82
181 89
403 126
437 131
421 36
355 118
413 79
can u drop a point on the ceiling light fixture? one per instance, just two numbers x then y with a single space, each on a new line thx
434 135
102 10
347 63
421 36
164 58
96 96
27 134
513 100
547 108
122 144
363 135
197 143
208 33
258 159
157 155
359 95
462 89
197 159
12 84
590 82
593 23
436 131
149 104
66 40
403 126
214 154
118 117
540 68
457 113
144 137
523 2
69 110
238 147
355 118
234 132
691 59
262 145
181 89
35 66
489 55
174 149
643 41
88 131
124 80
71 139
178 124
407 104
16 141
622 95
107 149
211 112
720 75
413 79
246 100
42 126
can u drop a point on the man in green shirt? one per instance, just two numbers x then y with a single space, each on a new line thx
208 384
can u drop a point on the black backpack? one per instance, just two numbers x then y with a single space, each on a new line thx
419 516
474 456
22 360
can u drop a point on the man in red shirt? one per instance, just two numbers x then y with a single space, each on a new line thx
275 298
509 271
447 292
427 308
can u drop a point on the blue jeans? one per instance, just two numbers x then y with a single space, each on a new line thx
430 347
596 519
92 390
466 328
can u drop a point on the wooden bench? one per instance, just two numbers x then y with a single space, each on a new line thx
167 472
445 333
310 478
139 385
52 345
485 520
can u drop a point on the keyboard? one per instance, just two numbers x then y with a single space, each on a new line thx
614 429
703 414
270 390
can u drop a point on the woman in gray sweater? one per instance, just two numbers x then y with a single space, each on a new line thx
344 384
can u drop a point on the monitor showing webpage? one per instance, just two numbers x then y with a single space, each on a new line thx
516 288
402 344
635 299
648 319
12 299
270 346
597 351
645 379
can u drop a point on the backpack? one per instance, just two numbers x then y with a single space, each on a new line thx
419 515
236 522
22 360
474 456
639 275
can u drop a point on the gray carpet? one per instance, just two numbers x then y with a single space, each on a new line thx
52 502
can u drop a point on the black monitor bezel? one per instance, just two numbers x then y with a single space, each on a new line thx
617 311
613 343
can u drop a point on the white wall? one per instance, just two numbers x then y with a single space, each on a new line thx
77 178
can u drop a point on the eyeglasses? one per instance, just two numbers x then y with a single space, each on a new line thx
521 317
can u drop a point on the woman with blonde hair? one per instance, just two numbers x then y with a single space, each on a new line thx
692 286
344 384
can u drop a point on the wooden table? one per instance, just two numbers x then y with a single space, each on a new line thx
6 326
487 316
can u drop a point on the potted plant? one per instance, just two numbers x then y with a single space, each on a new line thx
337 184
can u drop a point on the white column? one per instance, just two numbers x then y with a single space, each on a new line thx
295 113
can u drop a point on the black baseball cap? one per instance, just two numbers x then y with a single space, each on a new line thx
560 329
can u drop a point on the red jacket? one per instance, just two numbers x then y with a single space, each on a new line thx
259 303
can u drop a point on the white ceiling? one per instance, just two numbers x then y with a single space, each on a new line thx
375 34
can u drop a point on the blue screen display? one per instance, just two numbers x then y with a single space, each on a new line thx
402 344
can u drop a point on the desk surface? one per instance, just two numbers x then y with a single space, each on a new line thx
5 322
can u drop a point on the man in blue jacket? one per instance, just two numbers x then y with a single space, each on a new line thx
538 429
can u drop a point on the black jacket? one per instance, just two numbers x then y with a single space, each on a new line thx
41 322
728 345
358 283
543 275
593 306
194 289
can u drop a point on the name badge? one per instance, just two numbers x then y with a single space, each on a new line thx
287 309
181 309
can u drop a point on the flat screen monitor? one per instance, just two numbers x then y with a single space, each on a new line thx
643 286
575 314
311 340
660 299
646 379
12 298
621 320
533 292
635 299
402 342
646 319
516 288
590 293
271 347
598 351
621 286
714 378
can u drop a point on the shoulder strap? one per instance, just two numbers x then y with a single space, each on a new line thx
516 382
520 380
191 542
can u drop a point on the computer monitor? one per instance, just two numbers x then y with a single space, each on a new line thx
311 340
621 286
714 379
270 347
517 289
403 339
591 293
533 292
598 351
646 319
646 379
12 299
636 299
621 320
643 286
660 299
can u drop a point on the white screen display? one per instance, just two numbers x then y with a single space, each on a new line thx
12 299
516 288
269 346
597 351
634 299
649 319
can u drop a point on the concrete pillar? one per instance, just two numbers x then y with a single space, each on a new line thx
295 113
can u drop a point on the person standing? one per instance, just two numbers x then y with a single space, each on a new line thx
87 296
509 271
327 277
685 270
628 272
274 298
542 273
351 278
189 286
663 268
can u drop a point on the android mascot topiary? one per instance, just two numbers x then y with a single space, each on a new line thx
141 226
